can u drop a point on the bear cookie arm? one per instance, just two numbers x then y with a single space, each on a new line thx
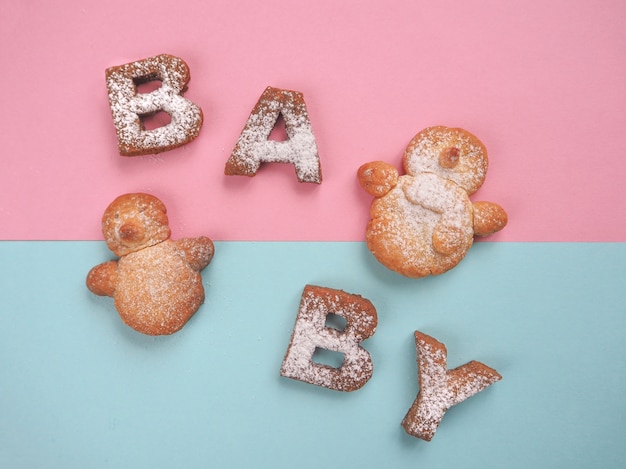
377 178
198 251
101 279
489 218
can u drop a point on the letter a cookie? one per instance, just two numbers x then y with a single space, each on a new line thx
254 146
310 333
439 388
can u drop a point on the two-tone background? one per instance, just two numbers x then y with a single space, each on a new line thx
543 84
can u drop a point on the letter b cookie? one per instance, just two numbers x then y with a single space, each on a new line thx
129 107
310 333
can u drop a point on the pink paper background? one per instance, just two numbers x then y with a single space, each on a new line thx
542 83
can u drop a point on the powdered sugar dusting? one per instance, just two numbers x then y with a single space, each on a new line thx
254 147
439 388
156 289
156 283
425 223
127 106
406 221
310 332
423 153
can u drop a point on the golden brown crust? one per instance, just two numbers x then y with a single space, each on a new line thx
133 222
157 291
155 284
489 218
377 178
102 278
198 252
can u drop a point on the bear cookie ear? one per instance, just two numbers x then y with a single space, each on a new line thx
423 223
156 283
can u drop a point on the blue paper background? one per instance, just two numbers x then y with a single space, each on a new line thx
80 389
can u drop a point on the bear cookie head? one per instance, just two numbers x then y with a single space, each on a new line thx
450 153
423 222
156 283
133 222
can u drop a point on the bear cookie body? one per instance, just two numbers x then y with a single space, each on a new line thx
156 283
423 223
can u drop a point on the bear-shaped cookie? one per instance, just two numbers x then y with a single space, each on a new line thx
423 223
156 283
